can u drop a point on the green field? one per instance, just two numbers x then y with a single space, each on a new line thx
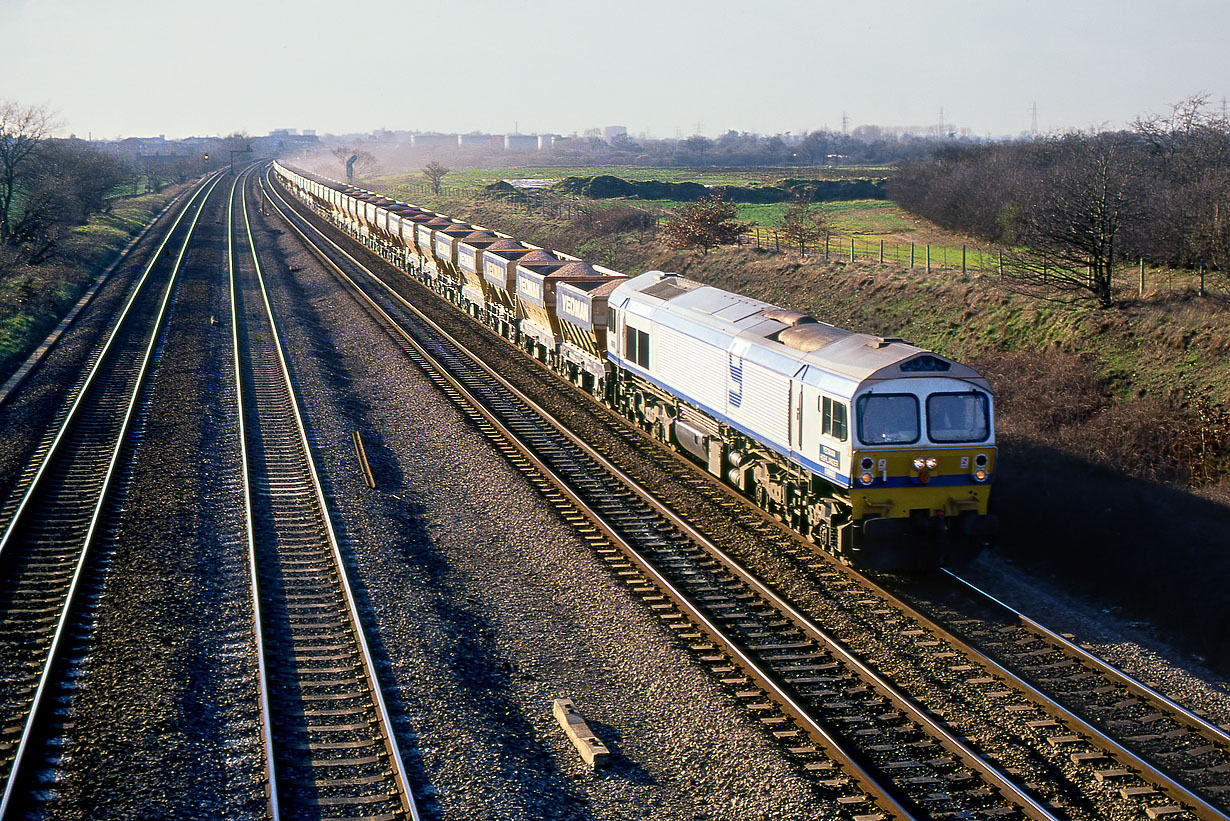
859 216
478 177
867 223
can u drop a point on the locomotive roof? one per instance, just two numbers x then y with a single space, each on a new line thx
800 337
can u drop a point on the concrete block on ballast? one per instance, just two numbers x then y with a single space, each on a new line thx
592 750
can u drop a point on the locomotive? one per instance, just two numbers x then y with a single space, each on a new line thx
879 452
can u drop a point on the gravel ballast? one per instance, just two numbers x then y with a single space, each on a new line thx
488 607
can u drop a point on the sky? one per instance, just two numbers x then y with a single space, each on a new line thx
662 68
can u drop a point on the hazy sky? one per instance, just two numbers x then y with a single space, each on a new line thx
139 67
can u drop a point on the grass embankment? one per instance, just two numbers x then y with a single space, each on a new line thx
1113 465
33 299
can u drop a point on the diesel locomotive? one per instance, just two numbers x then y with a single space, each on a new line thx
879 452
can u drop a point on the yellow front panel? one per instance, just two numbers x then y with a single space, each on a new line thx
897 486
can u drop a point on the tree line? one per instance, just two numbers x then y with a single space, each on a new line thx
1072 206
734 149
47 185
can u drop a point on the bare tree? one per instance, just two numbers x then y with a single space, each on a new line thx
68 181
359 162
699 145
1190 150
803 223
704 224
434 172
22 131
90 175
814 147
1086 187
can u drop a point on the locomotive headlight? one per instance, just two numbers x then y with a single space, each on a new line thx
919 464
867 477
932 462
980 475
867 463
981 460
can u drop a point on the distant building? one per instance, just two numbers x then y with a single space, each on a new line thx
613 133
141 146
521 142
473 140
433 140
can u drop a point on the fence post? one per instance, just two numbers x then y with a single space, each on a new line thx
962 260
826 246
1201 278
852 249
911 255
777 242
928 257
1142 277
1001 263
881 252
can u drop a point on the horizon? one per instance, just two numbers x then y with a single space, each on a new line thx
660 69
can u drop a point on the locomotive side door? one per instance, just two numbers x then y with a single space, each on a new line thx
807 445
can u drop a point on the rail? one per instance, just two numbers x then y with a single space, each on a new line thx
280 390
60 455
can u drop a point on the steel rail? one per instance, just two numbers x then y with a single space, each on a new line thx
369 667
97 366
1175 788
884 797
1015 793
1213 732
275 811
22 749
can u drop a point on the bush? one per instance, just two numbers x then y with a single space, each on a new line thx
1058 400
704 224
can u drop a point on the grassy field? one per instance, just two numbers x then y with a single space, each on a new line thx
867 223
868 220
478 177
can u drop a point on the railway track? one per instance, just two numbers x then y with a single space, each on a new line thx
1112 765
1169 745
56 526
875 750
329 742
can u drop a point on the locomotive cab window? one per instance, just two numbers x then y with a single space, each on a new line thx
958 417
888 419
833 420
636 346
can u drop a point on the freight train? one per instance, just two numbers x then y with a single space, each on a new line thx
879 452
